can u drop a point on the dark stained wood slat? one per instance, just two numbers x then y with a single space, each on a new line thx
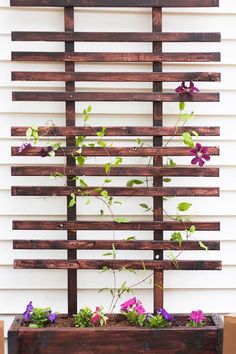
113 76
113 96
116 36
119 245
130 264
116 57
118 131
110 225
115 151
117 3
119 191
126 170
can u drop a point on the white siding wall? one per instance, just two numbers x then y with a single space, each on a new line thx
211 291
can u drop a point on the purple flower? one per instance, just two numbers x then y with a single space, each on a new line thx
200 153
23 147
126 305
165 315
191 89
139 309
27 313
197 316
51 317
45 151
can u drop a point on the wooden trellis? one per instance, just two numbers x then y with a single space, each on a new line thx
157 131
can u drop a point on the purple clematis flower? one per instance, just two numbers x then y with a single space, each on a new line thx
27 313
45 151
166 315
52 317
191 89
23 147
197 316
201 154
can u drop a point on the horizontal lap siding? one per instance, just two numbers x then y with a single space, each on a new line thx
212 291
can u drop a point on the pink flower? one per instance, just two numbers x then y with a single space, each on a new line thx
191 89
200 153
128 304
96 318
139 309
197 316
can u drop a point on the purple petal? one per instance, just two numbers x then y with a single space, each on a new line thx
52 317
198 147
23 147
201 162
180 89
193 151
204 149
206 157
195 160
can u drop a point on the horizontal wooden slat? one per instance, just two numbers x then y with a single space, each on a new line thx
119 245
110 225
119 191
117 3
117 264
115 57
113 76
127 170
118 131
114 96
116 36
114 151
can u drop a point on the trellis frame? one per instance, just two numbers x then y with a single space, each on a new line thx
70 96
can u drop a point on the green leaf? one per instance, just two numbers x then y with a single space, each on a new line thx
145 206
56 146
186 116
166 180
184 206
181 106
29 133
102 132
107 167
108 180
104 194
79 140
132 182
195 133
89 109
72 201
139 142
192 229
131 238
177 236
107 254
188 140
52 153
171 163
80 160
33 325
121 220
91 145
57 174
83 183
88 201
118 161
201 244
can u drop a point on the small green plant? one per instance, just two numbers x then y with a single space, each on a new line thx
38 317
83 318
87 318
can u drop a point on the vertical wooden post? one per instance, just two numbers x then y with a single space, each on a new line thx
1 337
157 161
70 142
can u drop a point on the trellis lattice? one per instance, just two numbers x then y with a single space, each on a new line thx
157 57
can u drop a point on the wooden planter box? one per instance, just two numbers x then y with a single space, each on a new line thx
113 340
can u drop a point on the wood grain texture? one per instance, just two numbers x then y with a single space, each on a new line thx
118 131
113 76
116 57
110 225
114 151
137 340
94 170
116 36
112 96
119 191
119 245
117 3
116 264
